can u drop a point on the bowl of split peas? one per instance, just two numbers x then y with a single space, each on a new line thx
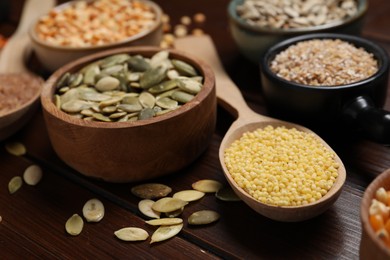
375 219
79 28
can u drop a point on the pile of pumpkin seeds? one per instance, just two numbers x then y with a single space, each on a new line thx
164 211
124 87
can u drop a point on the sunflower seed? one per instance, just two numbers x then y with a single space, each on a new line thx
203 217
131 234
151 190
74 225
32 175
15 184
207 186
93 210
15 148
145 206
188 195
168 204
164 221
166 232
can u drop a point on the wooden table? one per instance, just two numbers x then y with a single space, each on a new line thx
33 218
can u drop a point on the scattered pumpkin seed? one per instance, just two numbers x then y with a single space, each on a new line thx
15 148
145 206
93 210
32 175
175 213
164 221
189 195
15 184
166 232
74 225
203 217
168 204
131 234
226 193
207 186
151 190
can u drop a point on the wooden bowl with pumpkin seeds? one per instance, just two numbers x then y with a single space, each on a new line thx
130 114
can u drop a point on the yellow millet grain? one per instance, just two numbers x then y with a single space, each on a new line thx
281 166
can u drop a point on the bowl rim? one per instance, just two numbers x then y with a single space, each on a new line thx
48 89
158 24
378 52
368 195
236 19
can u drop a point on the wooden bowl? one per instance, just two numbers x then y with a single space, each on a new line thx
14 119
371 247
132 151
53 56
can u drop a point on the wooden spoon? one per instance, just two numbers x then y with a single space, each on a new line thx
13 72
230 97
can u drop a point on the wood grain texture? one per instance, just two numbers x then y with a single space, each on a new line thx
241 233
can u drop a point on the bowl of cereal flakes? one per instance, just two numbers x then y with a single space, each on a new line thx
326 79
79 28
256 25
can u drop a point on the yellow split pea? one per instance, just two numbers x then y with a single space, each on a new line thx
282 167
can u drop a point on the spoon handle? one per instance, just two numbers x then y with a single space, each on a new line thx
229 95
18 47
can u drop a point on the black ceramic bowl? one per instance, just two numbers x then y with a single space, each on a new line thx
357 105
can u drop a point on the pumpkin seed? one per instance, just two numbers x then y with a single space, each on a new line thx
113 69
1 219
151 190
188 195
147 100
64 80
75 79
152 77
167 103
203 217
87 112
101 117
163 87
15 184
74 225
110 102
94 96
166 232
114 59
90 73
159 58
107 83
175 213
32 175
109 109
189 85
130 107
181 96
164 221
207 186
131 234
226 193
138 63
168 204
15 148
145 206
75 106
173 74
117 115
93 210
146 113
183 67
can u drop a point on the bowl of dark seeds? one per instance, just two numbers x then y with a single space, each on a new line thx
130 114
256 25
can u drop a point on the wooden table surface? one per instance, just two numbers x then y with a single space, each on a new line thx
33 219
